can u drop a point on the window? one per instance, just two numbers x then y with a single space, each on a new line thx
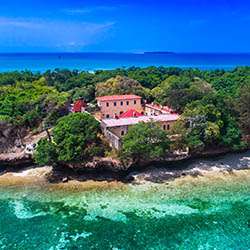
107 115
168 127
122 133
127 103
164 127
134 101
114 103
121 103
107 104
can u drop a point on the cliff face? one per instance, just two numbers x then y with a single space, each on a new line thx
10 136
14 144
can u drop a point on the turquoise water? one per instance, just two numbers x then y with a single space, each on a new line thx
209 212
94 61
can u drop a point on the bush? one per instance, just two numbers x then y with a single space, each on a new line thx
144 142
75 139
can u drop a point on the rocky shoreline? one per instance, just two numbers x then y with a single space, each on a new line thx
156 173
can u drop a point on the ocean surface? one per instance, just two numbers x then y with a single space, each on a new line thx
205 212
94 61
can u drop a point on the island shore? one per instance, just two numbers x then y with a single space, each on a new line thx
44 176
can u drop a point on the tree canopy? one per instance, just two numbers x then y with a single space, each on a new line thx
75 139
120 85
145 141
215 102
243 107
28 103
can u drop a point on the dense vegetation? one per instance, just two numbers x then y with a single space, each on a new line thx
29 103
145 142
215 105
75 139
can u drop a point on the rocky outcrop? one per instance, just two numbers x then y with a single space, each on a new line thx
100 164
17 152
10 136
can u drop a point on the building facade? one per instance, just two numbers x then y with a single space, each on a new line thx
115 129
114 106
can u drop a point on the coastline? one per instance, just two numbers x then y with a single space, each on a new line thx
192 168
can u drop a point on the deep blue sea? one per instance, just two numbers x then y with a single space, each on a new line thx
94 61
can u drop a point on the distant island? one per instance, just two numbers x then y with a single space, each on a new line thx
160 52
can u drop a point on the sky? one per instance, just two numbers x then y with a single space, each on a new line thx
125 26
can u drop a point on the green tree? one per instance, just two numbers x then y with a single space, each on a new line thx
121 85
75 138
178 91
243 107
145 141
46 153
204 125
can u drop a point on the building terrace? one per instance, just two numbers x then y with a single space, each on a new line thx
115 129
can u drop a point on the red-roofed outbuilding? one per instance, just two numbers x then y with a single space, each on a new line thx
79 106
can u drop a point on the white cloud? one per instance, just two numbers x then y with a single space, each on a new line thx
18 23
86 10
76 11
66 35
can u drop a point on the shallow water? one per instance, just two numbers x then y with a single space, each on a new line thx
206 212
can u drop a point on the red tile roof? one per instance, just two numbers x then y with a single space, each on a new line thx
78 105
130 113
118 97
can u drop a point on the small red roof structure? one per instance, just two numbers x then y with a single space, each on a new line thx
79 106
130 113
117 98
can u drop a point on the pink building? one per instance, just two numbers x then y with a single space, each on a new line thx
115 105
119 112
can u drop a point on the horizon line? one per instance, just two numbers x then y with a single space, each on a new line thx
123 52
